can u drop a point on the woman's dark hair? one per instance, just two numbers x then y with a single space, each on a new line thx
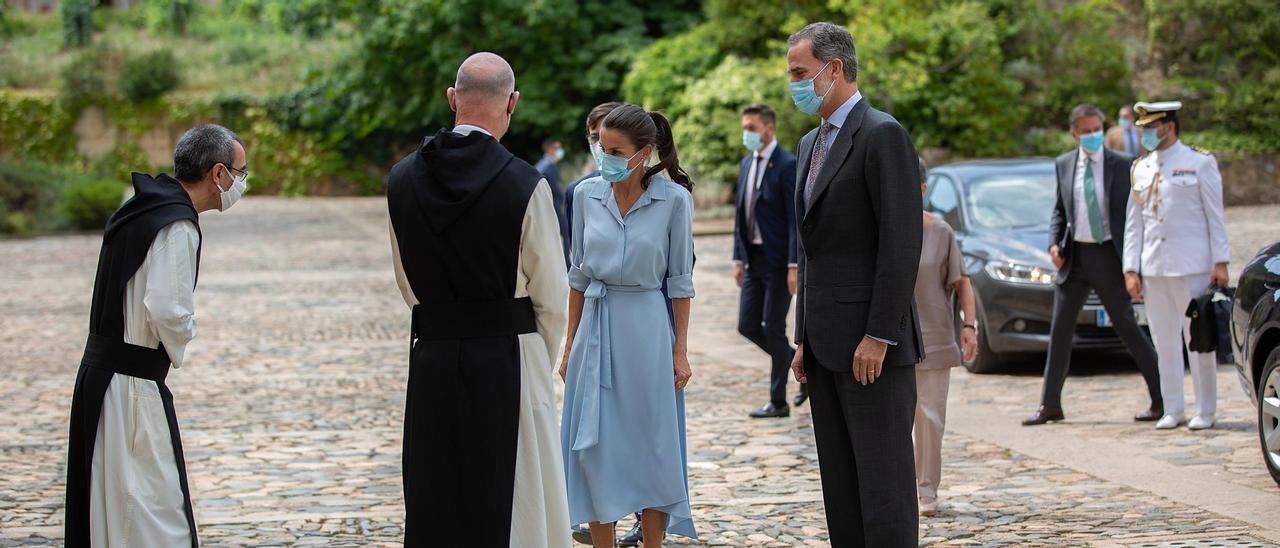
645 128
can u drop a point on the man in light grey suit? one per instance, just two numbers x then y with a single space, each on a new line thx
858 206
1086 243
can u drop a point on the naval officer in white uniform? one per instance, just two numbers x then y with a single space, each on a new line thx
1175 245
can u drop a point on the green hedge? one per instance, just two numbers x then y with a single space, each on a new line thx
36 127
87 204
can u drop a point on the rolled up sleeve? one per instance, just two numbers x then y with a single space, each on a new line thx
577 279
680 248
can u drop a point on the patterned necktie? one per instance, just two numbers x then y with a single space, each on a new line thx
754 186
1091 201
815 162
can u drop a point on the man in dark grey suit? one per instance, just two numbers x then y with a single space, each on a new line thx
1086 243
858 206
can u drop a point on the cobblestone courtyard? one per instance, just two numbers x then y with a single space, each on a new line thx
292 399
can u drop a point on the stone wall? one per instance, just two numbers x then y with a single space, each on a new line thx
1251 179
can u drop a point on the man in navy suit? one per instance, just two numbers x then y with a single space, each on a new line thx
764 250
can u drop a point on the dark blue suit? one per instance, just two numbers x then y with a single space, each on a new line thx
765 298
547 167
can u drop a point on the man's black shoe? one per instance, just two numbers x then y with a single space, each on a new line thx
1042 416
633 537
802 395
770 411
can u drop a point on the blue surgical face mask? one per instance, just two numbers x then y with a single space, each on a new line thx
1150 138
752 140
614 168
1125 123
559 154
1092 142
804 96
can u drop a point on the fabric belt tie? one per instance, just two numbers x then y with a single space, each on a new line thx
597 363
117 356
438 321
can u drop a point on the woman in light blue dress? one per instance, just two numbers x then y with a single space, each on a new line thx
625 367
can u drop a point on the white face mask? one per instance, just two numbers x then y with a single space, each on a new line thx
232 195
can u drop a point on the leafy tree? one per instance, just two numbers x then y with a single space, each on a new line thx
709 136
567 57
1222 58
77 23
938 68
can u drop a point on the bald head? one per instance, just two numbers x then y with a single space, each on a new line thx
485 77
484 95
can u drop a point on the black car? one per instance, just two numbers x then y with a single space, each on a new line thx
1255 341
1000 210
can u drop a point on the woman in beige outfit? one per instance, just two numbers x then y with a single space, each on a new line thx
941 278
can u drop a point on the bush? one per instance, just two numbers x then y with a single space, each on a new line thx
940 74
27 195
664 69
88 204
36 127
709 136
118 163
83 80
148 76
1221 60
77 23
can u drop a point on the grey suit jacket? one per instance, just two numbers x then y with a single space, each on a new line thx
1115 183
859 241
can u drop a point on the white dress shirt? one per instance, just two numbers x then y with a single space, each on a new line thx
837 118
1083 232
755 177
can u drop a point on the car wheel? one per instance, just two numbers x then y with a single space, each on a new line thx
988 361
1269 413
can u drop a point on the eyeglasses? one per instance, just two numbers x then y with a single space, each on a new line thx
244 172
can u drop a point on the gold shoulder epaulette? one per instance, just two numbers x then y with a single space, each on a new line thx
1200 150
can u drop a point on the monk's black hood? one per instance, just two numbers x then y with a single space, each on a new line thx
148 193
456 170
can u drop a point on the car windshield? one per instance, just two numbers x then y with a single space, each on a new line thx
1010 201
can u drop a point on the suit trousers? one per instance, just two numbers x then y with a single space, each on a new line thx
762 318
1167 298
1095 266
865 455
932 386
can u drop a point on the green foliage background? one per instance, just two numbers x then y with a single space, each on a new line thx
328 93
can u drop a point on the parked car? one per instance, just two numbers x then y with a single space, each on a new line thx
1255 341
1000 210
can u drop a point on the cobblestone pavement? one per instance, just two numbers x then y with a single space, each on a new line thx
292 400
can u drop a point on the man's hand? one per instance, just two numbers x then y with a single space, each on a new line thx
792 280
1056 254
868 360
739 270
969 343
1220 276
797 365
1133 284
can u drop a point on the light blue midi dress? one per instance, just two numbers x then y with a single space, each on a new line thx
623 429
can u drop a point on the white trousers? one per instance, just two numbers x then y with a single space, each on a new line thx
135 495
1167 298
932 386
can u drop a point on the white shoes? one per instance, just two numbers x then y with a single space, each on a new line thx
928 506
1201 422
1169 422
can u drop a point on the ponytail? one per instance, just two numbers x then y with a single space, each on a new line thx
644 128
668 156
